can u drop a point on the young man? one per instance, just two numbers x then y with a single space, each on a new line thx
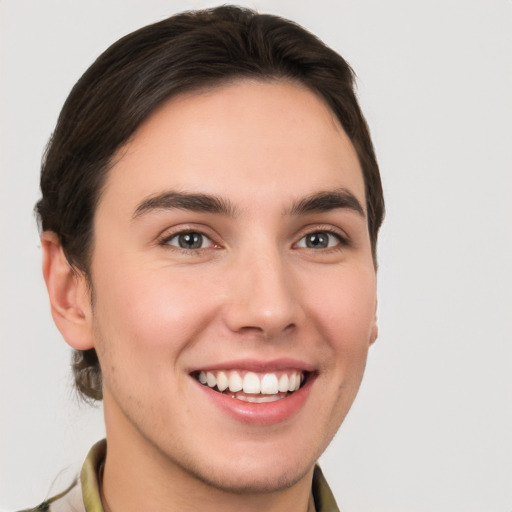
210 209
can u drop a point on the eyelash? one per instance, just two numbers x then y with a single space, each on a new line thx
342 241
164 241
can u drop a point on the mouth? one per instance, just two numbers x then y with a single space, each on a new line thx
254 387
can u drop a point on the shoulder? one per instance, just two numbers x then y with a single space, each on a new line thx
70 500
83 494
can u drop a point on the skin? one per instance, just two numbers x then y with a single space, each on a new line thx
254 291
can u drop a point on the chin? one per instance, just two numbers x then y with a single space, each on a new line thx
247 479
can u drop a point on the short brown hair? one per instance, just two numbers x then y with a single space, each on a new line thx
145 68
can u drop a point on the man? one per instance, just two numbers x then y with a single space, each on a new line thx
210 209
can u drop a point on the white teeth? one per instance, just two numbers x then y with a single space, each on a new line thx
235 382
291 382
283 383
211 380
222 381
269 384
259 399
252 383
294 382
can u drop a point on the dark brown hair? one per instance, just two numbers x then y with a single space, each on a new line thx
142 70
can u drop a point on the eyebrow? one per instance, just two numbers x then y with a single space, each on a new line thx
197 202
185 201
326 201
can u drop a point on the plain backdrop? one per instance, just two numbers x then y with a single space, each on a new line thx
431 429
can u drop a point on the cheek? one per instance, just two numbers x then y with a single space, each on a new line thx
150 311
343 304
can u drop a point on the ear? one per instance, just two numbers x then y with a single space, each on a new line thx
374 331
69 294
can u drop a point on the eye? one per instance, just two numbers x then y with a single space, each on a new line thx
320 240
189 240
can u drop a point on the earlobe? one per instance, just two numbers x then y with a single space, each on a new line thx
374 332
68 294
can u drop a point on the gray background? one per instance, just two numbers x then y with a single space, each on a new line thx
431 428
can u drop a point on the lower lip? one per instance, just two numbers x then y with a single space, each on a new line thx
267 413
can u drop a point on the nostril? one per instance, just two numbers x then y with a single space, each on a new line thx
266 332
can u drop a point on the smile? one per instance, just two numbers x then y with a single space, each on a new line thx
251 386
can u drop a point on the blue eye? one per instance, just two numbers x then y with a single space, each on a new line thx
189 240
319 240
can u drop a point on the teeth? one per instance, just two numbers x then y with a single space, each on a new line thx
269 384
259 399
222 381
291 382
235 382
252 383
294 382
283 383
211 380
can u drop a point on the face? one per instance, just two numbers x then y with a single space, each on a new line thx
234 287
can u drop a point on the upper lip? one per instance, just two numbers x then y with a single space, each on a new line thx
258 365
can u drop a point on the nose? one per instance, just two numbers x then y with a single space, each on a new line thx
263 296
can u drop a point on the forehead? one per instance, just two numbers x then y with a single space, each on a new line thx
250 139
